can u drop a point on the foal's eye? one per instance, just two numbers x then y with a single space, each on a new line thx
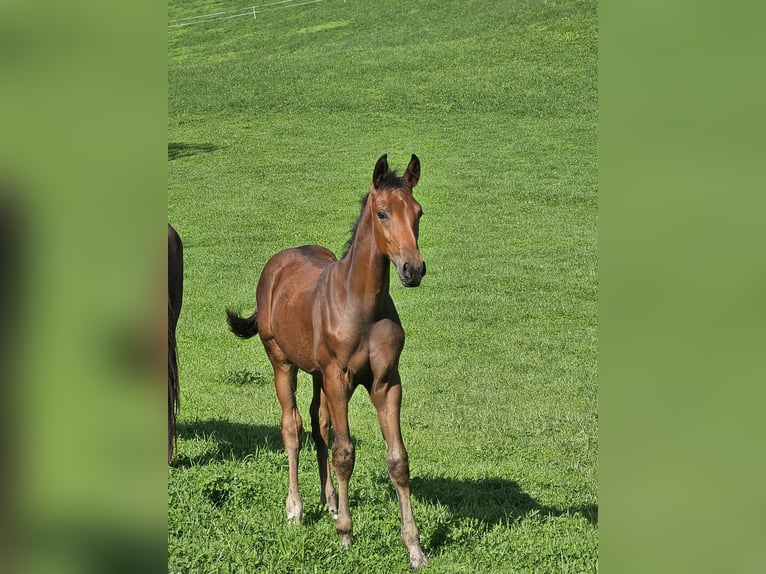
382 215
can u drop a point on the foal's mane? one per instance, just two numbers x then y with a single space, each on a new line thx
389 181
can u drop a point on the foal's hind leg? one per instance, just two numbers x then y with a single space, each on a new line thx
285 379
320 430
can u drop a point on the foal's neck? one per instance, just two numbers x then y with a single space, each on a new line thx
367 269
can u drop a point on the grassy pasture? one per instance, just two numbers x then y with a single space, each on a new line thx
274 126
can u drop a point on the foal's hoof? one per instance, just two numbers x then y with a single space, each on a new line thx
417 559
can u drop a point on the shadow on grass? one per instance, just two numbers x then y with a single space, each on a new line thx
176 150
235 441
232 440
491 501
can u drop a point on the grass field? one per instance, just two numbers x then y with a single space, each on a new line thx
274 128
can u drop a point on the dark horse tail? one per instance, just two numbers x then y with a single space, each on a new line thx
174 390
242 327
175 301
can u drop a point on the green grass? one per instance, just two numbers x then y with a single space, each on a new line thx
274 128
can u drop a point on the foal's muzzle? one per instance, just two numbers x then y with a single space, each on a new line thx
411 275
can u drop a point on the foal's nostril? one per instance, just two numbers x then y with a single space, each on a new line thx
407 270
423 272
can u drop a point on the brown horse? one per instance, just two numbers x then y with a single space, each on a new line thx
175 297
336 320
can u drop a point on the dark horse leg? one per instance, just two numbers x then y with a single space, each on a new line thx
386 395
320 430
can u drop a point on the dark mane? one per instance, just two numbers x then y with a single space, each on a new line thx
350 241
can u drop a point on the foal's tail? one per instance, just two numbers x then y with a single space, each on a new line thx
242 327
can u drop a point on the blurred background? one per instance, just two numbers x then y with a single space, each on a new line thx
82 275
82 208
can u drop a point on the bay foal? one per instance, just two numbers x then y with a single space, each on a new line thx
336 320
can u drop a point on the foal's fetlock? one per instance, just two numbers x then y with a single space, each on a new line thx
331 503
294 511
346 537
417 558
411 540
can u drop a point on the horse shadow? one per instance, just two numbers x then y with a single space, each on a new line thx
231 440
176 150
490 501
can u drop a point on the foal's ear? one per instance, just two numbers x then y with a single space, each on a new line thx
381 169
412 175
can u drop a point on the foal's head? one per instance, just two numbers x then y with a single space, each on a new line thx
396 215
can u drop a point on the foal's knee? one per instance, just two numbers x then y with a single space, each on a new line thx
343 457
398 468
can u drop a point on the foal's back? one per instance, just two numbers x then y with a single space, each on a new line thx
285 299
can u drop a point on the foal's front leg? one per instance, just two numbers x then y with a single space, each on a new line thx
387 398
386 394
338 393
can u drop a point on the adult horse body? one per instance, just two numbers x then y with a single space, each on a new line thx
335 320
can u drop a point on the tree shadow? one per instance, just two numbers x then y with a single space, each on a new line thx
232 440
491 501
176 150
